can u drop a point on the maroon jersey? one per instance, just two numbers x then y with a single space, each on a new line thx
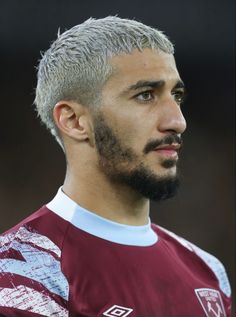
64 260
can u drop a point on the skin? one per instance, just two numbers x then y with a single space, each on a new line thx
136 116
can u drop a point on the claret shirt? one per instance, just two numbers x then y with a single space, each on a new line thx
64 261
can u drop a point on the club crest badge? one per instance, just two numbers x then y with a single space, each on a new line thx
211 302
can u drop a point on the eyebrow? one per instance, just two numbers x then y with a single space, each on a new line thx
179 84
146 83
153 84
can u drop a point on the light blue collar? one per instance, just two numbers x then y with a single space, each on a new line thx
101 227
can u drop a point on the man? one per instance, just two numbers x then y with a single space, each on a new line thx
110 92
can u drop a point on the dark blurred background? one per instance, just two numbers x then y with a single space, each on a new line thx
32 165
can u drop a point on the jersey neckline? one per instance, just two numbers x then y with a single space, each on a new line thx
101 227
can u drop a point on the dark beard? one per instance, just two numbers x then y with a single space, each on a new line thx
143 181
116 160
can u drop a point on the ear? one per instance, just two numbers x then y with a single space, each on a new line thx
72 120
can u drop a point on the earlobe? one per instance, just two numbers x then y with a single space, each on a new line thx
70 119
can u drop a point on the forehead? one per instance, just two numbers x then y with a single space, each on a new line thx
146 65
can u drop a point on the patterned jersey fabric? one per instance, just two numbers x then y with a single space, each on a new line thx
64 261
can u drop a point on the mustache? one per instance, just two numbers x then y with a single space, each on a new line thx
168 140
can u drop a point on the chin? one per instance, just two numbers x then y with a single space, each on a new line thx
164 171
171 174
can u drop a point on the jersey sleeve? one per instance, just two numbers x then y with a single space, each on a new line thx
213 263
217 268
31 281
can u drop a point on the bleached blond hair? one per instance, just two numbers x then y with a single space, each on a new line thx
76 66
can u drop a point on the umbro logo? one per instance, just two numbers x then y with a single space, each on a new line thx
118 311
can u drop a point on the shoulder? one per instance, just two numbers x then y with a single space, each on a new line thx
42 227
210 260
30 266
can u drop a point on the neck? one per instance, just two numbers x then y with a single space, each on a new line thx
98 194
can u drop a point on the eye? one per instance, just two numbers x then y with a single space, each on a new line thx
179 96
145 96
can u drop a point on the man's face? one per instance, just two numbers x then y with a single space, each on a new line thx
139 124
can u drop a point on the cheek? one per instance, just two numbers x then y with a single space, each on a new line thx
132 126
133 136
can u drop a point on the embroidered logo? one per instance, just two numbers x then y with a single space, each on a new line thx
118 311
211 302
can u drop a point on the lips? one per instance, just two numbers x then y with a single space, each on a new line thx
172 147
170 151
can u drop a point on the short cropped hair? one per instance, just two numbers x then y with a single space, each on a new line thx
76 66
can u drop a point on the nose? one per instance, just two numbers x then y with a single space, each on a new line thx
172 118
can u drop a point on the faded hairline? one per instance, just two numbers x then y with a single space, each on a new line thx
76 66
